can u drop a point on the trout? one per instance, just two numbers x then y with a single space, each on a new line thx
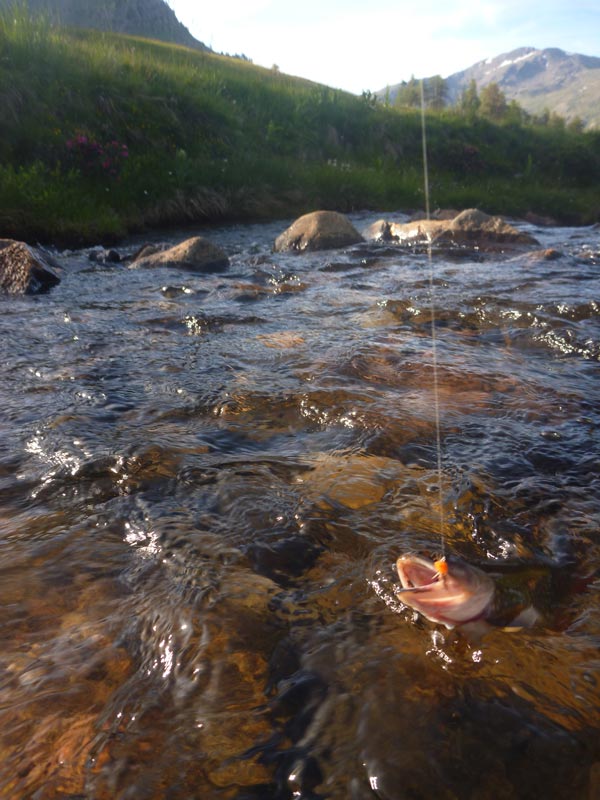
455 593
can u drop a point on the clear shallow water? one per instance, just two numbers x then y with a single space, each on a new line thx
205 482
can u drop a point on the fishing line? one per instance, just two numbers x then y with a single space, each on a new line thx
436 403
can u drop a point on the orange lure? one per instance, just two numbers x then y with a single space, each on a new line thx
441 566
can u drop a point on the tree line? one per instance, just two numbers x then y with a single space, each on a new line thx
489 102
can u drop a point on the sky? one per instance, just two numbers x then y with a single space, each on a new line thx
365 45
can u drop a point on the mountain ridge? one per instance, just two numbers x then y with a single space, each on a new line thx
151 19
565 83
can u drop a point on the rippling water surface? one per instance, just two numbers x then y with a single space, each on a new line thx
205 482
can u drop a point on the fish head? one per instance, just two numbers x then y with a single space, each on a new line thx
456 594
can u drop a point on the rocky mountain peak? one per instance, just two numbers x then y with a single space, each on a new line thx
152 19
567 83
549 79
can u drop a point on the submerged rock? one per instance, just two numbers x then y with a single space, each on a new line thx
103 256
319 230
471 226
196 254
548 254
541 220
353 482
24 270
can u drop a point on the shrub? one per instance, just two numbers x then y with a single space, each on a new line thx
92 158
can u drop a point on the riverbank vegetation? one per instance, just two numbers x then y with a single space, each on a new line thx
102 134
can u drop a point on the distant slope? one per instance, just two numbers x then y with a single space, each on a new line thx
566 83
152 19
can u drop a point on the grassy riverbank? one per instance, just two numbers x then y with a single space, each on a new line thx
102 134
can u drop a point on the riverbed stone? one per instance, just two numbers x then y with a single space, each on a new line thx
319 230
380 231
103 256
354 481
474 225
541 220
471 227
547 254
24 269
196 254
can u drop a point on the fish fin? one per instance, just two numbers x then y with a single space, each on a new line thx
525 619
475 630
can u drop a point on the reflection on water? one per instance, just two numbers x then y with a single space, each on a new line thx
205 482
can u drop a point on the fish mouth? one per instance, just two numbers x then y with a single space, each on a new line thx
452 596
418 575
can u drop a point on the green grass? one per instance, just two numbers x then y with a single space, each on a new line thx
210 137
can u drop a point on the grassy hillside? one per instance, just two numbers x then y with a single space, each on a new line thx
103 134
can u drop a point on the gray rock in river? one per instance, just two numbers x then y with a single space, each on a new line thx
103 256
319 230
24 269
196 254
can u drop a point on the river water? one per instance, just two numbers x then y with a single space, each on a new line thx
205 482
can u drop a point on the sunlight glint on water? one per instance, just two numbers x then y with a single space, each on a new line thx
199 524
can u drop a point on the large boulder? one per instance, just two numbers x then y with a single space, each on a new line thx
24 270
319 230
196 254
471 227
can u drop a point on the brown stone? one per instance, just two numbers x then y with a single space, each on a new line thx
417 231
540 220
549 254
319 230
380 231
473 224
24 270
470 226
148 249
196 254
353 482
